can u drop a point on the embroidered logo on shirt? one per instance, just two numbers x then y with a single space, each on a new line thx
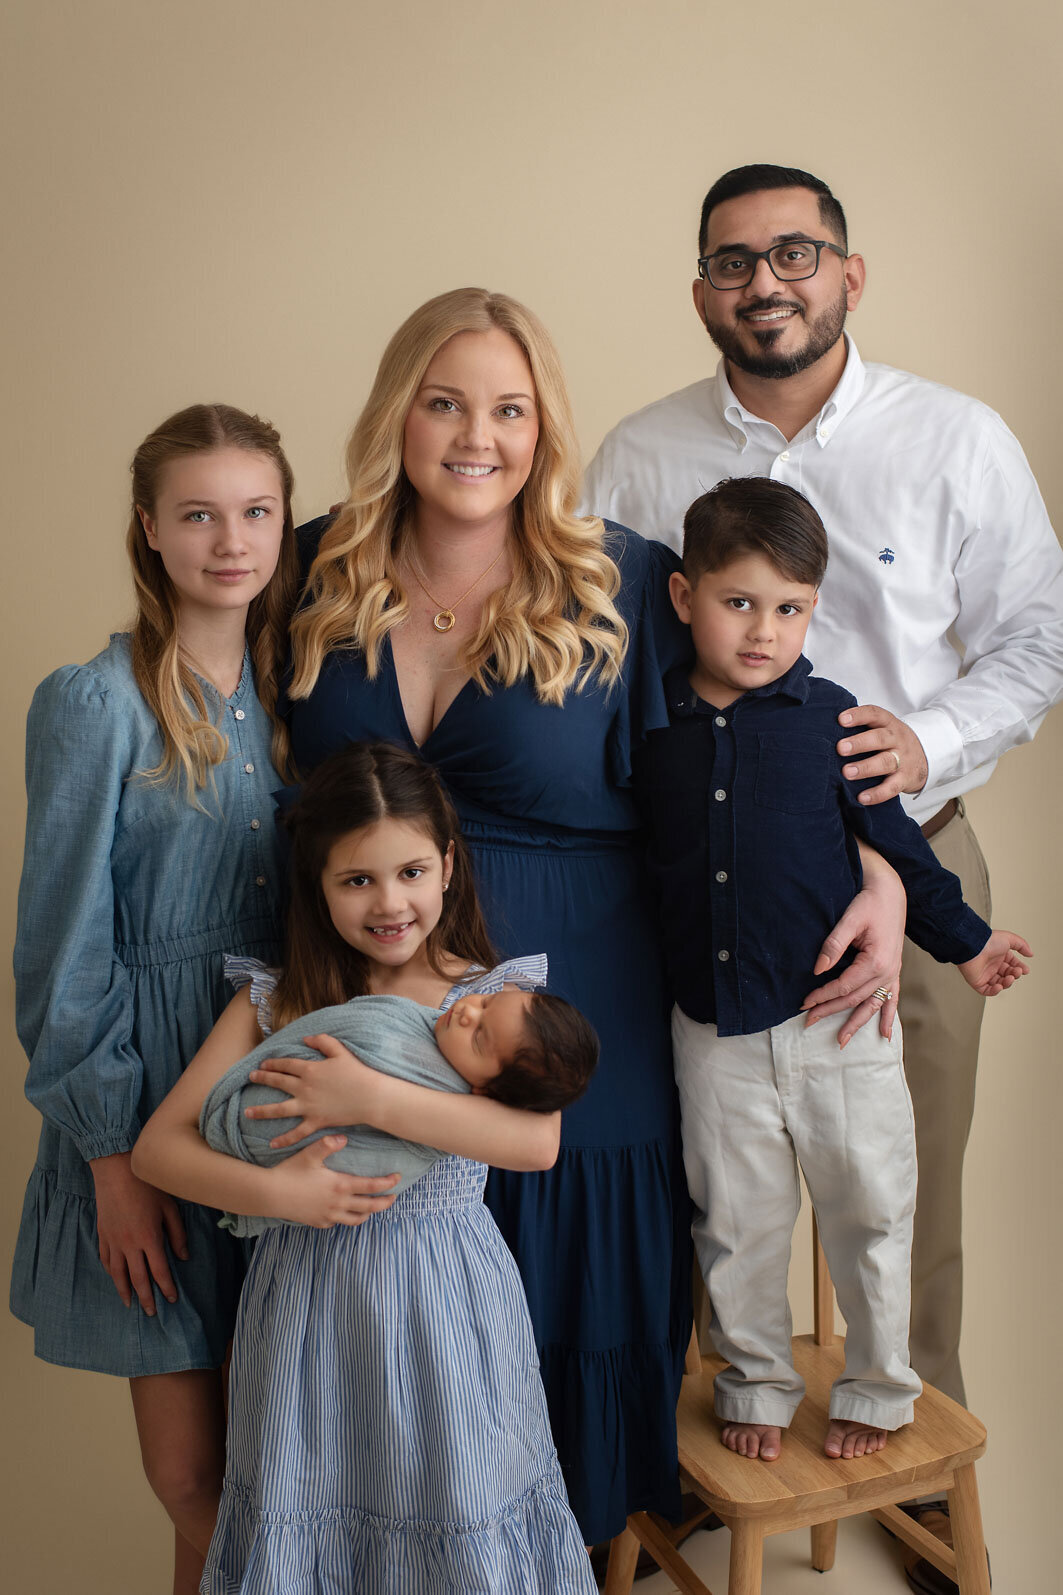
886 556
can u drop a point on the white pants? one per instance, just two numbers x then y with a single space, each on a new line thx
753 1107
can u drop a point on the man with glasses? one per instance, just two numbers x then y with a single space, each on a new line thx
937 534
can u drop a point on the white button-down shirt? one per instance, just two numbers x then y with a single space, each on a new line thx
943 599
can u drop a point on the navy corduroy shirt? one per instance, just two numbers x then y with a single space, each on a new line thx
753 850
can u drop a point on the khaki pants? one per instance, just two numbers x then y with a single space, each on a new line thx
941 1017
753 1107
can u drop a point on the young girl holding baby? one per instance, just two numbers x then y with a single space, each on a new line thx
388 1428
150 851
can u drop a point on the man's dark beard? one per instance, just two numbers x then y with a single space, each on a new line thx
823 334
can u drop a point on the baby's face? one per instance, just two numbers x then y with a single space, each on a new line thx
477 1035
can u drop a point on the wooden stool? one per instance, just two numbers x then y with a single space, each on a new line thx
805 1487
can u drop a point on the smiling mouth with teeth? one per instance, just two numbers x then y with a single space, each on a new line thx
471 470
386 931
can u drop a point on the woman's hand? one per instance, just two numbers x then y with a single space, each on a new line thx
134 1221
873 923
336 1088
306 1191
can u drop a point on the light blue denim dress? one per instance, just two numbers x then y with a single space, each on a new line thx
129 900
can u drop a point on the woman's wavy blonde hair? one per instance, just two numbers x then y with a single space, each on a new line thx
192 743
555 620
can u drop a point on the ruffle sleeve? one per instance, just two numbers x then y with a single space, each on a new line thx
241 971
73 998
529 972
657 641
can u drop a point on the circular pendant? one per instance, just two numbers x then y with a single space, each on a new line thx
444 620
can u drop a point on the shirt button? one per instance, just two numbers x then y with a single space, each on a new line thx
720 721
721 875
250 769
720 795
238 714
785 455
255 824
260 880
723 955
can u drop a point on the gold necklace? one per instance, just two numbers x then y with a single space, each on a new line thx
443 619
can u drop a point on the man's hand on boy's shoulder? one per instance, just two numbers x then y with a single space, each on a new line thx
885 747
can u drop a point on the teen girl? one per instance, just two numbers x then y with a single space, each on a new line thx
150 850
388 1429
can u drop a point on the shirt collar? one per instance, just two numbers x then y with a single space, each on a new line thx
826 423
683 701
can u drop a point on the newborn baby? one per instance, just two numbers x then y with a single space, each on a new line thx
525 1048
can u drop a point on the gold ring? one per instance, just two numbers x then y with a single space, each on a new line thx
882 993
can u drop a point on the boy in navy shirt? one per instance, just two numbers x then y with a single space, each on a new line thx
753 834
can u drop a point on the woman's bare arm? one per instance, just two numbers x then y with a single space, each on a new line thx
874 924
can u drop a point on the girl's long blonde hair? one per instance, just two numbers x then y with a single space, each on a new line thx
192 743
555 620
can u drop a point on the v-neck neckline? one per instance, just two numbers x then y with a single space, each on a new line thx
462 690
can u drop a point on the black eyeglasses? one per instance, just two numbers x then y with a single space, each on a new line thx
793 261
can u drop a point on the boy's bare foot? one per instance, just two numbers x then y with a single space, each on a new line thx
848 1439
763 1440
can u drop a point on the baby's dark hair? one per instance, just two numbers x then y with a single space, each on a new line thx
554 1062
754 515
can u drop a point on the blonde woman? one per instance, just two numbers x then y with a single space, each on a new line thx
457 604
150 853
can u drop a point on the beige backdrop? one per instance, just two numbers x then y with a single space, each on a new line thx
239 200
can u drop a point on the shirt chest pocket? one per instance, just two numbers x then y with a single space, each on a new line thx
793 775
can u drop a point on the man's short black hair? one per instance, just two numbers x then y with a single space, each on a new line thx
755 179
754 515
554 1062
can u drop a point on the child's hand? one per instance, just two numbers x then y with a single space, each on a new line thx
336 1088
998 965
307 1191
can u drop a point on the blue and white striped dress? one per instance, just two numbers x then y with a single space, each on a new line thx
388 1433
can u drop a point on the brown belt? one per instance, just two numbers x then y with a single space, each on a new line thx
937 822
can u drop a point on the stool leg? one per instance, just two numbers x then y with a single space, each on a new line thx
620 1574
747 1558
824 1544
972 1573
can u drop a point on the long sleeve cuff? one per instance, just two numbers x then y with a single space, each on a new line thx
942 744
105 1145
962 938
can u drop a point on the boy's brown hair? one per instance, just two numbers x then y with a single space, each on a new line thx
754 515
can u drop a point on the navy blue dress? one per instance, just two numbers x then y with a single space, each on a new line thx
602 1240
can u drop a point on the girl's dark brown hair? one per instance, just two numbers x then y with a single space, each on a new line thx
362 784
192 743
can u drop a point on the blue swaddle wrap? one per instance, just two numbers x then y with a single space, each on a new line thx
392 1034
